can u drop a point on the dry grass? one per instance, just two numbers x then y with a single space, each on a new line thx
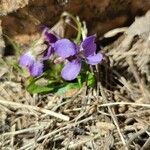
115 115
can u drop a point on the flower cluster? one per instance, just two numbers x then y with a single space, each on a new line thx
33 59
68 52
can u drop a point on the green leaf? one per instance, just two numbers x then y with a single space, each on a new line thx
17 68
53 71
90 79
66 87
34 88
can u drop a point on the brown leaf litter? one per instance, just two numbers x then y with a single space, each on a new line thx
114 115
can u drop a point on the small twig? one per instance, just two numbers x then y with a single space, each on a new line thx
23 131
134 136
13 128
56 131
146 146
113 117
114 32
42 110
137 78
64 128
125 103
133 114
83 141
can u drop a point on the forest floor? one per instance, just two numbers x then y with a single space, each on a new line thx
114 115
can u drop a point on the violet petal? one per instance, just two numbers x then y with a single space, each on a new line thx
71 70
26 60
47 53
65 48
88 46
94 59
51 38
36 69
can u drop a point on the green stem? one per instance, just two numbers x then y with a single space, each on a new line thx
79 26
14 45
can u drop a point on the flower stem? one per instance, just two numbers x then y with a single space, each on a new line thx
78 23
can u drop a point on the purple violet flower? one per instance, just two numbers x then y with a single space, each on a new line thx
36 69
50 38
74 55
28 60
33 59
